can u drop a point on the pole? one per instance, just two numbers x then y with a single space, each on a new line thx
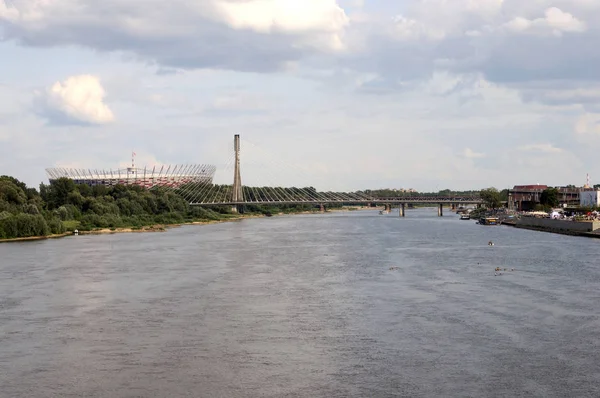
237 195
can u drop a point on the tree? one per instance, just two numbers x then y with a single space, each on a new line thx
491 198
549 197
59 191
11 192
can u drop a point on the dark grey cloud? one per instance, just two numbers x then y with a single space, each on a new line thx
184 34
559 55
212 47
524 59
462 37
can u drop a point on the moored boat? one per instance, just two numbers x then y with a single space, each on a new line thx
489 221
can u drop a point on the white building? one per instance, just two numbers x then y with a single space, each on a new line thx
589 198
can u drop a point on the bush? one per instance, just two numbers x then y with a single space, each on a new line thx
70 225
63 213
90 221
56 226
169 218
23 225
31 209
202 213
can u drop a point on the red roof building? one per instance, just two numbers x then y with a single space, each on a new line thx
526 197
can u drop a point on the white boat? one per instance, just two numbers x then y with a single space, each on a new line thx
384 212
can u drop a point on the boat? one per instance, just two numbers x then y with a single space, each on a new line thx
488 221
384 212
465 217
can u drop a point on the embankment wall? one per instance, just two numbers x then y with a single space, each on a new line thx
558 226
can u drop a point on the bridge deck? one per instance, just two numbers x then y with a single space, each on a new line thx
392 201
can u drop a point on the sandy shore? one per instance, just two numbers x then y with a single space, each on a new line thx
36 238
164 228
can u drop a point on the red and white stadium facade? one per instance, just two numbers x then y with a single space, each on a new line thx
161 176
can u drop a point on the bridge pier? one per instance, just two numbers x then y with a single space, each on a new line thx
441 210
453 206
401 210
322 208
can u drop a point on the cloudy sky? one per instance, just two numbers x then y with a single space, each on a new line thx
345 94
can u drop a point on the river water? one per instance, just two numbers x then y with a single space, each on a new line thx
338 305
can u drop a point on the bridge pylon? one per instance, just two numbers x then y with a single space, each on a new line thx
237 195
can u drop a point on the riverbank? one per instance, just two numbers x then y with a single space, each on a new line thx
32 238
166 227
148 228
589 229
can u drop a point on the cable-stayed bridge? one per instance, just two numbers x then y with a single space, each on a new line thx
207 193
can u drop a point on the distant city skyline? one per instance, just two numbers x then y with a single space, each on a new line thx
430 94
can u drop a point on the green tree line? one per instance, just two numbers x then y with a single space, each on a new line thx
63 205
391 193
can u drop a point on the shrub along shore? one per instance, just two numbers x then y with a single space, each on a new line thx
61 207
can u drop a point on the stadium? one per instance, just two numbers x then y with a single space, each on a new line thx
162 176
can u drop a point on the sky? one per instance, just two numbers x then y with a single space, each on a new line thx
339 95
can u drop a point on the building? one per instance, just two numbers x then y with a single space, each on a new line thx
526 197
589 198
569 195
166 176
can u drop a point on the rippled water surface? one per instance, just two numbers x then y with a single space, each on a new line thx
336 305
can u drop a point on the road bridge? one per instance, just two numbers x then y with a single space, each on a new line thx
208 194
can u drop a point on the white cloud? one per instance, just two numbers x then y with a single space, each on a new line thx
78 99
544 148
315 23
267 16
470 154
410 29
440 19
555 21
141 160
8 12
588 123
239 102
485 7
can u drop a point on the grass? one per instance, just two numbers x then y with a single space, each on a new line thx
71 225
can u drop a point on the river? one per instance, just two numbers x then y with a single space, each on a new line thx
328 305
